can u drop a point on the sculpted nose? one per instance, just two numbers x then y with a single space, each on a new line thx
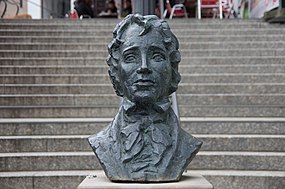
144 68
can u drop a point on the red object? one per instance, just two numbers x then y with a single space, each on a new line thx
73 14
209 2
179 12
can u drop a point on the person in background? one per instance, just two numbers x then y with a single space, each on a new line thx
127 8
111 11
167 6
84 8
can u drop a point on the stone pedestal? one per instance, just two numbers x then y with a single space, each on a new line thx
98 180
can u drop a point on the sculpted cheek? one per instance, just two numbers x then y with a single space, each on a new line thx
127 70
163 69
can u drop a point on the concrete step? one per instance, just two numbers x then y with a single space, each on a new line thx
194 125
239 160
100 60
249 143
77 143
184 53
42 179
110 111
187 23
48 161
60 100
108 31
205 160
113 100
232 111
60 89
232 78
231 99
61 32
183 88
231 88
227 31
222 179
54 79
57 111
57 23
107 38
231 38
234 125
182 45
50 46
55 39
233 60
236 179
59 26
183 69
59 61
232 52
183 23
44 143
52 126
53 53
104 78
52 69
225 44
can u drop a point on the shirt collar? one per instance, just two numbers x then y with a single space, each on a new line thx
160 106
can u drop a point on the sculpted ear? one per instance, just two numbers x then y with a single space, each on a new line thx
175 57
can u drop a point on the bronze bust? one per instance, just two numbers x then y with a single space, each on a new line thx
144 142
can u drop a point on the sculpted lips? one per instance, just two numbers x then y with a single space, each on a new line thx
144 82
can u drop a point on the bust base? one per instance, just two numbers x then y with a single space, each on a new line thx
98 180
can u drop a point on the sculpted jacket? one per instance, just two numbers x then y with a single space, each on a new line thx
144 147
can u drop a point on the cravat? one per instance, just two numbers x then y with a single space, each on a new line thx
144 141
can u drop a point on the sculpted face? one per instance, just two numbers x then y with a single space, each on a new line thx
145 69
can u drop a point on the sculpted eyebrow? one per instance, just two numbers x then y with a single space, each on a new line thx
131 48
155 47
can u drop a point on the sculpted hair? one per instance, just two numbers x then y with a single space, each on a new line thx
148 23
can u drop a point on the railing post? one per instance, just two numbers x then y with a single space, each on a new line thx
199 9
144 7
221 9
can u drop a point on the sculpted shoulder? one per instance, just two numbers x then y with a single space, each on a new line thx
99 141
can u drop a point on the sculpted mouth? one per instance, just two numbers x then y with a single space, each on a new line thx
144 82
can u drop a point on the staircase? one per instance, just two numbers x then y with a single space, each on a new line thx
55 92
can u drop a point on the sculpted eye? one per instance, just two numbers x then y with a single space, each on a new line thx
130 58
158 57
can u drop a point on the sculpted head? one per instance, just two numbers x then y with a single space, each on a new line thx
143 59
